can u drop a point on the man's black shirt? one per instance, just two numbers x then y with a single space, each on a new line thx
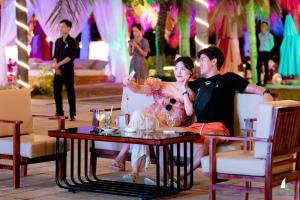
63 49
220 106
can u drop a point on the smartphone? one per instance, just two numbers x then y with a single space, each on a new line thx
131 75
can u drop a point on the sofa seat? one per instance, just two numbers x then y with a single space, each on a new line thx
113 146
243 162
32 145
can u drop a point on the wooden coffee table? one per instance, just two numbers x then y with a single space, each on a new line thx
75 177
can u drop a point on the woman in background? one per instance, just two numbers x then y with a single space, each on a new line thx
138 49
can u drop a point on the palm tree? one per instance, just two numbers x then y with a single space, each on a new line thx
21 17
251 8
159 37
184 8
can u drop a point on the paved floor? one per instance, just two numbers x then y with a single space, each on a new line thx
40 184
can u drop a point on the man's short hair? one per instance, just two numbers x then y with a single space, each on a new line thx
213 52
66 22
264 22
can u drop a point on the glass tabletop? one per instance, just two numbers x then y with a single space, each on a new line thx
139 134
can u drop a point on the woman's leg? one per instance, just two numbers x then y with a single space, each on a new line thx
137 165
121 157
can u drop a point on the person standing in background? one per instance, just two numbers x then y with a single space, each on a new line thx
64 55
138 49
266 44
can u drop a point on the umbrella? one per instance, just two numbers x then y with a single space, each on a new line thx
228 42
289 64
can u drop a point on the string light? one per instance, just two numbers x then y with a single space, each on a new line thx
22 8
23 64
23 83
200 43
204 3
21 25
202 22
21 45
167 68
48 39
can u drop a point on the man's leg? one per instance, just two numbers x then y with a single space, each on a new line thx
69 83
266 65
258 68
200 150
57 88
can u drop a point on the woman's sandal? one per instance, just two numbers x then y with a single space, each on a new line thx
118 165
130 178
151 181
181 182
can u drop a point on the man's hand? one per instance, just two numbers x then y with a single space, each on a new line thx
268 97
56 68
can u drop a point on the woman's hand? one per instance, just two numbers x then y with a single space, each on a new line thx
184 85
126 82
135 44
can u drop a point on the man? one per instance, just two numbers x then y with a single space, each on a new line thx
214 101
64 55
266 44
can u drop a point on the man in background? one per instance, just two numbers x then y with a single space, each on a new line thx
266 44
64 55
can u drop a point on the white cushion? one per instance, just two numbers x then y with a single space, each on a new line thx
32 145
132 101
243 163
265 122
230 146
245 107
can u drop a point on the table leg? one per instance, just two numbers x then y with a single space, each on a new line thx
172 166
178 161
191 165
157 168
185 164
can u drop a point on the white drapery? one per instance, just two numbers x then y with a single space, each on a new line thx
43 10
111 23
7 36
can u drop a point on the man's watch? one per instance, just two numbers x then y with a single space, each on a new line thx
266 91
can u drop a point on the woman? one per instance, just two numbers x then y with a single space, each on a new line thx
138 49
170 98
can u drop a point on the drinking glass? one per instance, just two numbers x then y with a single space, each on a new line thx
107 120
149 124
170 120
100 117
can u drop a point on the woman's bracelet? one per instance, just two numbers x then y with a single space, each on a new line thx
186 92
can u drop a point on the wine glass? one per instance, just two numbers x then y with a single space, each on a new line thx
100 116
107 120
170 120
